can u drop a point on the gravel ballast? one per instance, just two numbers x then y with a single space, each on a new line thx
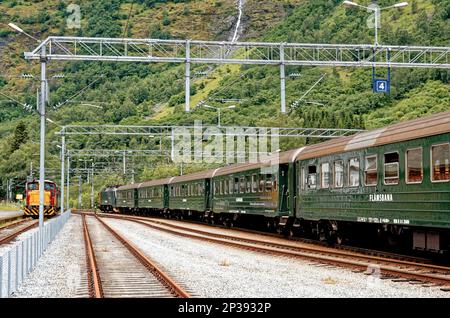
59 273
212 270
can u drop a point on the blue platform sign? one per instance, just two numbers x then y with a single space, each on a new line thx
381 86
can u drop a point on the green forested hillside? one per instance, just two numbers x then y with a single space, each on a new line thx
154 94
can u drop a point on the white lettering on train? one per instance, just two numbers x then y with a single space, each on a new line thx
383 197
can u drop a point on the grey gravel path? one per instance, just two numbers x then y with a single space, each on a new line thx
213 270
60 271
210 270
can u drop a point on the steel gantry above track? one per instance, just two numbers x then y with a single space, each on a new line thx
169 131
257 53
110 153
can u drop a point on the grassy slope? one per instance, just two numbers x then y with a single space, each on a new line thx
346 93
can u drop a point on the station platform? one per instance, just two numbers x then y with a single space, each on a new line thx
8 216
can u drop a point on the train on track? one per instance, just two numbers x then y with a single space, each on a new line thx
51 199
389 185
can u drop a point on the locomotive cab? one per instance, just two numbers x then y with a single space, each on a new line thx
51 194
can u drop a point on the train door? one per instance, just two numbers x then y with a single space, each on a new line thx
283 187
166 196
207 198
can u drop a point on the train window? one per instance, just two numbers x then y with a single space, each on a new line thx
249 184
325 175
225 186
275 184
391 168
312 177
242 185
222 187
302 180
230 186
236 185
371 172
254 183
261 183
33 186
353 172
338 174
440 163
269 183
49 186
414 166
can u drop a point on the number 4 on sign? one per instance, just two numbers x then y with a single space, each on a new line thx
381 86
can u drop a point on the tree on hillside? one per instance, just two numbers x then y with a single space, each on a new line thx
19 137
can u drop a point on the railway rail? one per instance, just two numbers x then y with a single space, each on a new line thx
11 231
415 272
116 268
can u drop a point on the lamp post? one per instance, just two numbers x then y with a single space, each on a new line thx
376 10
218 111
42 124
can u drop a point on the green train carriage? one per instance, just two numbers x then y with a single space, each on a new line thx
107 199
153 195
260 189
191 194
391 183
127 198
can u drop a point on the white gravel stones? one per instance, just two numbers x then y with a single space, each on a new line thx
59 273
212 270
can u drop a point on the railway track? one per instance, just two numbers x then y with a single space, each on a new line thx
414 272
10 232
116 268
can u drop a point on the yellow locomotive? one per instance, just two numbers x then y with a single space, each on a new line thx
51 199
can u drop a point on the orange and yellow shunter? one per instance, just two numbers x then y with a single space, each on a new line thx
51 198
